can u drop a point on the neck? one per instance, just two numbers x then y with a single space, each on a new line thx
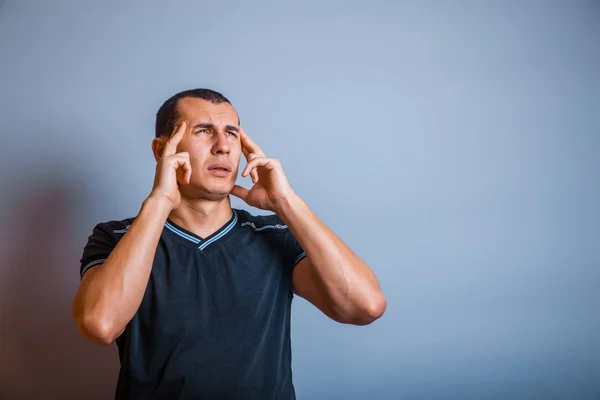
202 216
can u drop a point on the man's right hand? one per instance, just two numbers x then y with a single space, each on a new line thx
173 169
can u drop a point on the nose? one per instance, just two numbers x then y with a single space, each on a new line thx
221 144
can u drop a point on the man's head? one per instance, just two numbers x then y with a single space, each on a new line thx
212 136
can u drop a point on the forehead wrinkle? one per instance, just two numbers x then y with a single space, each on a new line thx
213 113
215 124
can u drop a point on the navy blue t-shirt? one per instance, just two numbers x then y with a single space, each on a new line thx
214 322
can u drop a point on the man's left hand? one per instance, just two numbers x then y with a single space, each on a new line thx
271 186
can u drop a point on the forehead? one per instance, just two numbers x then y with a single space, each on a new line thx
196 110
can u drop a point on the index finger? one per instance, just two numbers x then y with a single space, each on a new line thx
249 145
171 146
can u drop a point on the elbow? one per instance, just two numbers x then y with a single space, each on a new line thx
374 310
368 312
96 329
377 308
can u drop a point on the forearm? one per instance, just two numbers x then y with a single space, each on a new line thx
108 299
348 284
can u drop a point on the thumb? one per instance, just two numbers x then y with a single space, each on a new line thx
240 192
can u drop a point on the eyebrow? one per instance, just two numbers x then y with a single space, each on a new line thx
209 125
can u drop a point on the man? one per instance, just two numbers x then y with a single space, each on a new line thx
197 295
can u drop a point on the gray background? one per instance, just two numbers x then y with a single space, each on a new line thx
454 146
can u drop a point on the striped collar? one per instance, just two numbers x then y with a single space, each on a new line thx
201 243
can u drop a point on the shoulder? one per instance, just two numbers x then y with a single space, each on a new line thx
271 229
270 223
113 228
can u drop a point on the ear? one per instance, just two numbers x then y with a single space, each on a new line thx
158 146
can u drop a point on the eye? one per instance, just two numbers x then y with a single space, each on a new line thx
232 133
201 131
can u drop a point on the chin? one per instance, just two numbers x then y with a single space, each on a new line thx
210 190
214 196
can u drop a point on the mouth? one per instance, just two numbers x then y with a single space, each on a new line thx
220 169
220 166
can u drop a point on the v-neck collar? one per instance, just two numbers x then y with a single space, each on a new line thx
202 243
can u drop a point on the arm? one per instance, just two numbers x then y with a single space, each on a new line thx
331 277
110 294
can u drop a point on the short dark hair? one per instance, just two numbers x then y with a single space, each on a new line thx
167 113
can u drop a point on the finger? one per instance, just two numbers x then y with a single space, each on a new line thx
255 163
245 151
180 158
184 154
183 167
171 145
240 192
254 172
250 167
249 144
188 172
250 157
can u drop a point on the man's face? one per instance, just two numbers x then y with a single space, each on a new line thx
212 137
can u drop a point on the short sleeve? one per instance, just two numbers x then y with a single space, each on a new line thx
294 253
100 244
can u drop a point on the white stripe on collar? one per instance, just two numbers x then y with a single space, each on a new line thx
202 245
